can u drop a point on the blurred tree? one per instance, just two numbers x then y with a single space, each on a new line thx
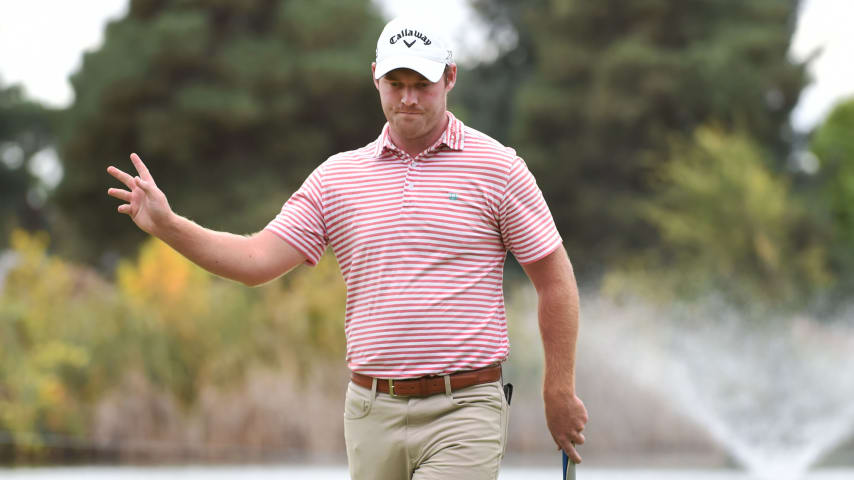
27 129
224 101
833 144
614 79
730 226
485 92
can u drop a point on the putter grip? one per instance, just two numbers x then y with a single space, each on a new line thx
568 468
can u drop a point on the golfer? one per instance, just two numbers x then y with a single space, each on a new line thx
420 221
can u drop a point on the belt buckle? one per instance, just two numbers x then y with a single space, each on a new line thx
391 387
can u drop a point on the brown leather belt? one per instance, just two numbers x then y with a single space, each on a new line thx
426 386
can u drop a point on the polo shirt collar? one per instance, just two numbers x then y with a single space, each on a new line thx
452 138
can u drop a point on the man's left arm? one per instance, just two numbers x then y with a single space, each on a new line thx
558 313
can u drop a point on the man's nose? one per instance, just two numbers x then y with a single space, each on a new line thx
409 97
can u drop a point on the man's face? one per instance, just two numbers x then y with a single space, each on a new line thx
414 106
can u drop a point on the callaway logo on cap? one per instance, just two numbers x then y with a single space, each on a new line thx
414 44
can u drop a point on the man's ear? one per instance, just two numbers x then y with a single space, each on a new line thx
451 77
373 70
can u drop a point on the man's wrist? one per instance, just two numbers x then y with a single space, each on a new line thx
169 228
558 389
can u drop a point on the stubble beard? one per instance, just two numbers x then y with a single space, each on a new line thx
410 128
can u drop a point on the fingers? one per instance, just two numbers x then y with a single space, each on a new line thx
568 444
142 184
572 453
120 194
140 167
121 176
143 181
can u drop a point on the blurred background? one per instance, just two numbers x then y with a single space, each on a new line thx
698 158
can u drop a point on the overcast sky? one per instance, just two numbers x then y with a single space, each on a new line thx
41 43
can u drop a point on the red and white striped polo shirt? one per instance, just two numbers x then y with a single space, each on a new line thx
421 244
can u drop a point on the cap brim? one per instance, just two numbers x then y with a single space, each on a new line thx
431 70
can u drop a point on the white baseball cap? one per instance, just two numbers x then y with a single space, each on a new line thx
412 43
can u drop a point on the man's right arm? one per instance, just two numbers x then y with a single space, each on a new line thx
252 260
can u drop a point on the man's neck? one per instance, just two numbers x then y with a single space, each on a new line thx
414 146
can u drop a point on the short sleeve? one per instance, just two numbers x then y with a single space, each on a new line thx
300 223
527 227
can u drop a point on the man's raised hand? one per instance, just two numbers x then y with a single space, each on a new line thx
146 204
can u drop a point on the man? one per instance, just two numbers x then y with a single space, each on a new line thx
420 221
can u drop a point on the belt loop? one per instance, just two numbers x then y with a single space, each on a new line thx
447 384
373 388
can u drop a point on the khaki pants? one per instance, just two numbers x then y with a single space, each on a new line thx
460 435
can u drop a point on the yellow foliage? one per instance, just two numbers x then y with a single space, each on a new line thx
52 392
307 311
68 337
162 277
54 354
37 276
44 312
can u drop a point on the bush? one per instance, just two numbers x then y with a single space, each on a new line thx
69 338
728 226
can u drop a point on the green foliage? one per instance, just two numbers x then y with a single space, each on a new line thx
223 101
729 226
25 129
613 80
833 144
68 338
307 311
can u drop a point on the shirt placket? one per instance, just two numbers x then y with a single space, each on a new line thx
409 180
413 165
